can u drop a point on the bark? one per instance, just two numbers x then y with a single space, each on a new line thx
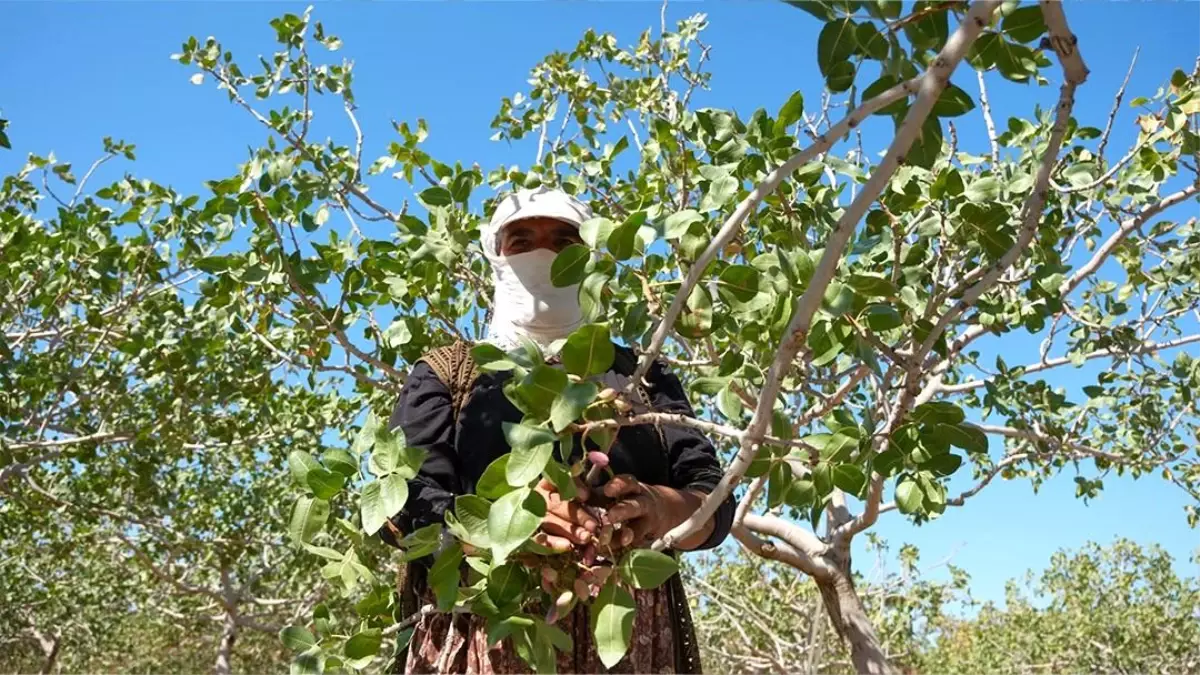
225 651
849 618
50 645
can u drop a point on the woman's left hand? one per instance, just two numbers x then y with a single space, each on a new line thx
650 511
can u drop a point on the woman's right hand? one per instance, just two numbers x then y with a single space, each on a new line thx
567 523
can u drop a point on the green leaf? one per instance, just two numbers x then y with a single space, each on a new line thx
471 515
393 490
325 483
493 484
937 411
871 41
953 102
720 192
570 404
840 76
612 615
589 350
622 243
881 317
444 576
839 298
308 517
966 436
527 463
297 638
871 285
909 497
506 582
340 461
542 386
514 518
365 439
422 542
835 44
1081 174
696 321
436 196
645 568
299 464
558 475
983 190
849 478
491 358
371 507
790 113
740 282
944 464
677 224
309 662
364 644
596 231
1024 24
778 482
570 265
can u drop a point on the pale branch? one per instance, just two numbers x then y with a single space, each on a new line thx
1112 115
769 184
932 83
987 118
748 499
87 176
1036 437
1075 73
1128 226
165 575
1147 348
783 550
416 616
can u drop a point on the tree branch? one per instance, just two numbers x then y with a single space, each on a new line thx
1147 348
987 118
1112 115
1122 232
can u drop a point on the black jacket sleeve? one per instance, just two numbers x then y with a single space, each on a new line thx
694 463
426 416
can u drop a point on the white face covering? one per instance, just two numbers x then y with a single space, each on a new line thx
527 304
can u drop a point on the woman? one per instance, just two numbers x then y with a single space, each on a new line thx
662 476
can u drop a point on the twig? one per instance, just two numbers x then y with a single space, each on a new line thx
987 118
1054 363
1112 115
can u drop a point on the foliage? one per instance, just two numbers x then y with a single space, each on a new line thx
1112 609
173 365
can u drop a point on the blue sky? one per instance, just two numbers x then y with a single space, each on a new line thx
75 72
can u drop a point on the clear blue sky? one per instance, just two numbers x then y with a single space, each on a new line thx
71 73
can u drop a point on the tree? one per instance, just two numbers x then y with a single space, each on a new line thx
758 616
1120 608
831 340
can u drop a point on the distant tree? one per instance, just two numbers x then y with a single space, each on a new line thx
1115 609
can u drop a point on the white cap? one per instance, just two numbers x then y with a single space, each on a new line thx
542 202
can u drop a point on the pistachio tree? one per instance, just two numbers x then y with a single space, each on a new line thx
828 312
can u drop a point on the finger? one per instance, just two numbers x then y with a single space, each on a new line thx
628 509
557 525
621 485
627 537
575 513
556 544
640 531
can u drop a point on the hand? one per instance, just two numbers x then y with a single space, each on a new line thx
567 523
650 511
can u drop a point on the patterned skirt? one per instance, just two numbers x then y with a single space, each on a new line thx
457 643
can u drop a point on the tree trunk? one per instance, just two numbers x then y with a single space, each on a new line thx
849 619
50 646
225 652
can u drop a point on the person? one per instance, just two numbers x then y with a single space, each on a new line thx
662 473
